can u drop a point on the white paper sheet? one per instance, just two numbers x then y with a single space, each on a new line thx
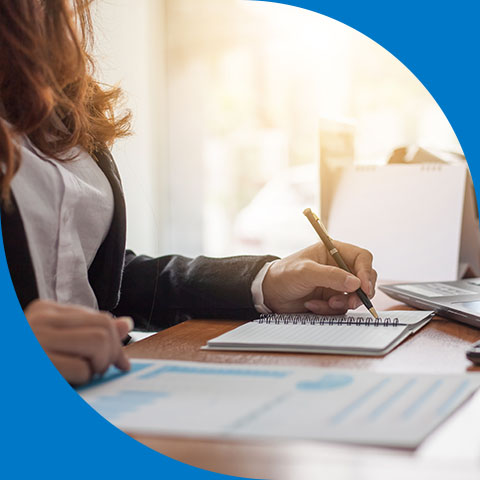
415 214
204 399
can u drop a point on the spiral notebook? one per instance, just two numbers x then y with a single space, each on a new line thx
351 334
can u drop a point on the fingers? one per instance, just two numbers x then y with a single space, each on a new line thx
75 370
349 302
122 362
351 254
312 275
124 325
358 259
374 282
328 276
361 264
84 335
322 307
116 329
336 305
68 316
92 344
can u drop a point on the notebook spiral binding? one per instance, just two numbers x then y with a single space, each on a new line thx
312 319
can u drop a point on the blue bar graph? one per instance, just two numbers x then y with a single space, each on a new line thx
359 401
191 370
418 402
390 401
112 373
445 407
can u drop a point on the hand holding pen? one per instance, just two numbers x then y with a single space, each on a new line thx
310 280
333 251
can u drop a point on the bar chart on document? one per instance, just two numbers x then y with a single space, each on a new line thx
204 400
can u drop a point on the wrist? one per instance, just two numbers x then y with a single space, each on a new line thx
257 289
270 286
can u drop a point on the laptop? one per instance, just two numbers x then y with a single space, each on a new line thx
457 300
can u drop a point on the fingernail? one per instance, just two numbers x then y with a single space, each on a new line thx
351 283
128 321
370 288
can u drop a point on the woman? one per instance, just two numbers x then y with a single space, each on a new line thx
63 213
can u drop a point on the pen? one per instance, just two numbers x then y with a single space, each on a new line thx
323 234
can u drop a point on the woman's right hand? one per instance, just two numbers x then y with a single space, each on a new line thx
79 341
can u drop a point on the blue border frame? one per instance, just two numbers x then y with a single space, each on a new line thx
47 430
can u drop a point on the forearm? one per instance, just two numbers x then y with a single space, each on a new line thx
160 292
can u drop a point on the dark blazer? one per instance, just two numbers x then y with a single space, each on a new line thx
156 292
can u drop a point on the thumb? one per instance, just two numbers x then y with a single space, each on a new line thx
124 325
328 276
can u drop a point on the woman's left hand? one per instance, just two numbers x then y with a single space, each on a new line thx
310 280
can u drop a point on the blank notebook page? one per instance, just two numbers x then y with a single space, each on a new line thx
313 335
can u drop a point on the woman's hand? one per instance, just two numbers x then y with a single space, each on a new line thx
79 341
309 280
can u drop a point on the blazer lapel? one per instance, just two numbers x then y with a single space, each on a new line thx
105 273
17 254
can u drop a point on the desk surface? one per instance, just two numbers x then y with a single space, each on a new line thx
452 450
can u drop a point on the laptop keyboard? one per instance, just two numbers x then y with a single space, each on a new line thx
435 290
447 290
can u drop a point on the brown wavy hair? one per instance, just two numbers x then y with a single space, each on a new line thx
47 88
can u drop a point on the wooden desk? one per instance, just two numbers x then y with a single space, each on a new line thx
452 451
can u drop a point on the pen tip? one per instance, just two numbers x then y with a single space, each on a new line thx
374 313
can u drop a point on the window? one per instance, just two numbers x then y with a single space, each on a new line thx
249 89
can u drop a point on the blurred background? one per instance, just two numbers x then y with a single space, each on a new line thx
236 105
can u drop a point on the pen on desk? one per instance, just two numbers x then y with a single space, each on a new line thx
323 234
